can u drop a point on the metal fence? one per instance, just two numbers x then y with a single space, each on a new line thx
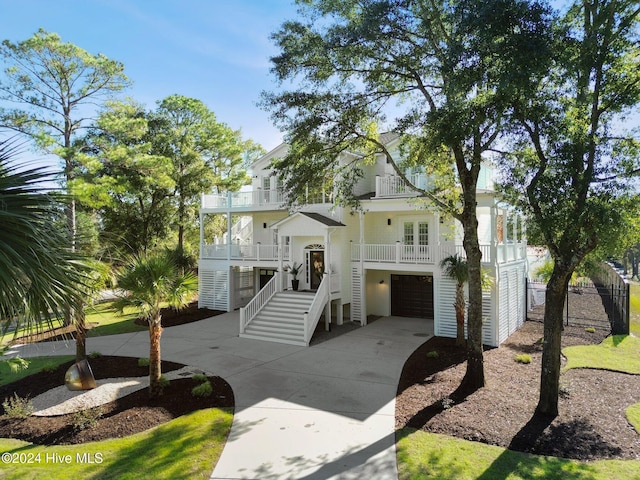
616 291
602 303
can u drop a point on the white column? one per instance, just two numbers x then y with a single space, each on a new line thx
283 275
494 235
229 239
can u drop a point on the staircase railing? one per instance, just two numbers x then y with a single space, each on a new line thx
315 309
251 309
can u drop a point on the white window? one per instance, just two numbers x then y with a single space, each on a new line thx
416 233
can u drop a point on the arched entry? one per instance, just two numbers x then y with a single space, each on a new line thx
314 263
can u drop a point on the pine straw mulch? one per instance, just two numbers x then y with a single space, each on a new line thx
591 424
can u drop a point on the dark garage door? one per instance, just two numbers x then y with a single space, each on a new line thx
412 296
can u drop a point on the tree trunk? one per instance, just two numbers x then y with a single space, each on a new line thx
474 376
155 368
460 307
81 332
550 377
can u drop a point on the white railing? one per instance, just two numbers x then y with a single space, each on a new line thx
252 252
431 255
251 198
315 309
395 186
248 312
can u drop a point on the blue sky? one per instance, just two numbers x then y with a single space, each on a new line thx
214 50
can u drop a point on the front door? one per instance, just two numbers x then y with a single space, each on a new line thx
315 268
266 274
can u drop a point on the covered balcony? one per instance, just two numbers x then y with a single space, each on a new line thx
244 253
399 253
256 200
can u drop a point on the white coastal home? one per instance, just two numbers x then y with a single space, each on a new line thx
380 261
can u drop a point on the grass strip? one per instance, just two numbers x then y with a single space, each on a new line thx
618 353
185 448
425 456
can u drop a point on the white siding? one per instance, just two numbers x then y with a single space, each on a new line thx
488 321
213 289
357 289
445 323
445 312
512 299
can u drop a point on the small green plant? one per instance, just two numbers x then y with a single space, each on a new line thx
164 381
446 403
17 407
16 363
590 330
86 419
203 390
433 354
199 378
564 391
95 355
143 362
523 358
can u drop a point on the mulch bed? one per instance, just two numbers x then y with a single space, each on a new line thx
591 424
131 414
191 313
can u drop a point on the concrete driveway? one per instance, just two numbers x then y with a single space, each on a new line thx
319 412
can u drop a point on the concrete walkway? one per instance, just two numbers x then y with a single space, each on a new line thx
320 412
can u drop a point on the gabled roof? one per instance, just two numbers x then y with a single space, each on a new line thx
326 221
329 222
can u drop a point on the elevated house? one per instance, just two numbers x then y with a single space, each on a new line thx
383 260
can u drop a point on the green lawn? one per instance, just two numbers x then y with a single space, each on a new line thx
425 456
634 302
618 353
101 317
109 322
35 365
185 448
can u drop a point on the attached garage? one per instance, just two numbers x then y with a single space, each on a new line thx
412 296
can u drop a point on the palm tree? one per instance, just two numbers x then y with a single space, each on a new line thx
455 267
147 284
40 277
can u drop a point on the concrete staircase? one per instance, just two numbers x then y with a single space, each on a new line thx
282 319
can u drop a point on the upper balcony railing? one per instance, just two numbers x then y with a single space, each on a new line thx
395 186
247 253
390 186
400 253
267 199
274 199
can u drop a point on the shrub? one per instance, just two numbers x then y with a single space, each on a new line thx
433 354
95 355
164 381
523 358
17 407
564 391
199 378
446 403
16 363
143 362
203 390
85 419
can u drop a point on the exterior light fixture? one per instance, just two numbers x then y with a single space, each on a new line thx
388 221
